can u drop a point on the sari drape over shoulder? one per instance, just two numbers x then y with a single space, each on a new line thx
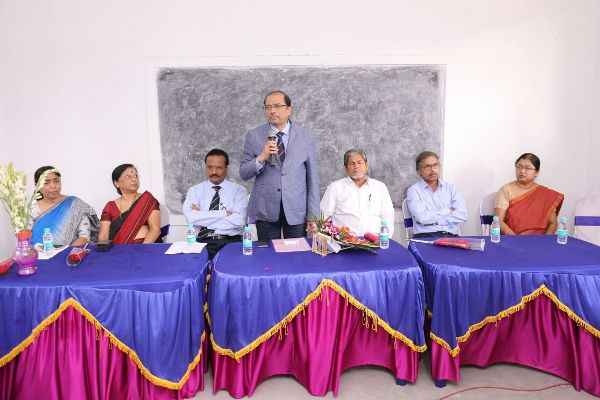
125 227
66 220
530 212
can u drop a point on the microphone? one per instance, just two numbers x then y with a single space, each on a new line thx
273 138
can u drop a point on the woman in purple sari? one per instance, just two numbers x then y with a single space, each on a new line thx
71 220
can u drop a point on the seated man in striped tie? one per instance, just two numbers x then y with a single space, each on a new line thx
217 206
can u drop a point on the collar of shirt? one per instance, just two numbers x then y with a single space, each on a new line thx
286 132
425 186
349 182
223 184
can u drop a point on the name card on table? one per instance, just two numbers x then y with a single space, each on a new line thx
185 248
290 245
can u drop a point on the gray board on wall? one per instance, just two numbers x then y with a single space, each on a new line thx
393 112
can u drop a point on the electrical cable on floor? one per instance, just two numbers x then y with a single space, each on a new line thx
503 388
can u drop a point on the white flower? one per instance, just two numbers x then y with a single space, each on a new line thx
13 195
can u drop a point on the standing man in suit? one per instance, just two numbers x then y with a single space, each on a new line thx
285 172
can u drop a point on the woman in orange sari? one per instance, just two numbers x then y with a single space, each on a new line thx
132 217
525 207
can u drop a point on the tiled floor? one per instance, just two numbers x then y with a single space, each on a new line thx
366 383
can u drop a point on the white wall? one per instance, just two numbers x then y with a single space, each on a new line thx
521 77
593 150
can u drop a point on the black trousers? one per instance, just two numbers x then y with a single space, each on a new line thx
214 245
434 235
272 230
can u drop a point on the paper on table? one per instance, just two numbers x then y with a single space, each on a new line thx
41 256
290 245
184 247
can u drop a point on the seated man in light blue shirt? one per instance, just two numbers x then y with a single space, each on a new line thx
436 206
217 207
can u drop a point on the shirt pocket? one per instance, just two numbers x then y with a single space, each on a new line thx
348 204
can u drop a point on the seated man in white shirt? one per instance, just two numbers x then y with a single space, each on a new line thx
357 201
436 206
217 207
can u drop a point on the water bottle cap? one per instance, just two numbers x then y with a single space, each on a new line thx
495 218
383 222
46 230
563 219
246 228
190 225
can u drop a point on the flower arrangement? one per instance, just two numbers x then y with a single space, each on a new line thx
342 235
13 194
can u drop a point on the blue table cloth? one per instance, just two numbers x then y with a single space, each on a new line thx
464 287
146 300
249 296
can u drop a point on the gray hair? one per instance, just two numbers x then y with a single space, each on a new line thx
350 152
423 155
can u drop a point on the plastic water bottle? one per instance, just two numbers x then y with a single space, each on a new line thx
495 230
48 241
384 235
191 234
562 234
247 241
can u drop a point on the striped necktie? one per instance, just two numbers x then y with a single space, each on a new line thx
280 147
214 205
216 200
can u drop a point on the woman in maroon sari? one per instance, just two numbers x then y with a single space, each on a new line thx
132 217
524 207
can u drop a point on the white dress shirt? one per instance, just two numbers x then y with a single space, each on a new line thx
359 208
233 197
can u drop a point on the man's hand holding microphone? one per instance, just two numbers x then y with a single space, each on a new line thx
269 151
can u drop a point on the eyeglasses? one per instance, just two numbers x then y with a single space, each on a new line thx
527 168
215 167
430 166
129 177
353 164
275 106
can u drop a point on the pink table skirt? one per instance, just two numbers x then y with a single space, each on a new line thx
71 359
540 336
329 337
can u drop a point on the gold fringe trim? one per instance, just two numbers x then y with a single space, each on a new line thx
369 320
512 310
114 342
